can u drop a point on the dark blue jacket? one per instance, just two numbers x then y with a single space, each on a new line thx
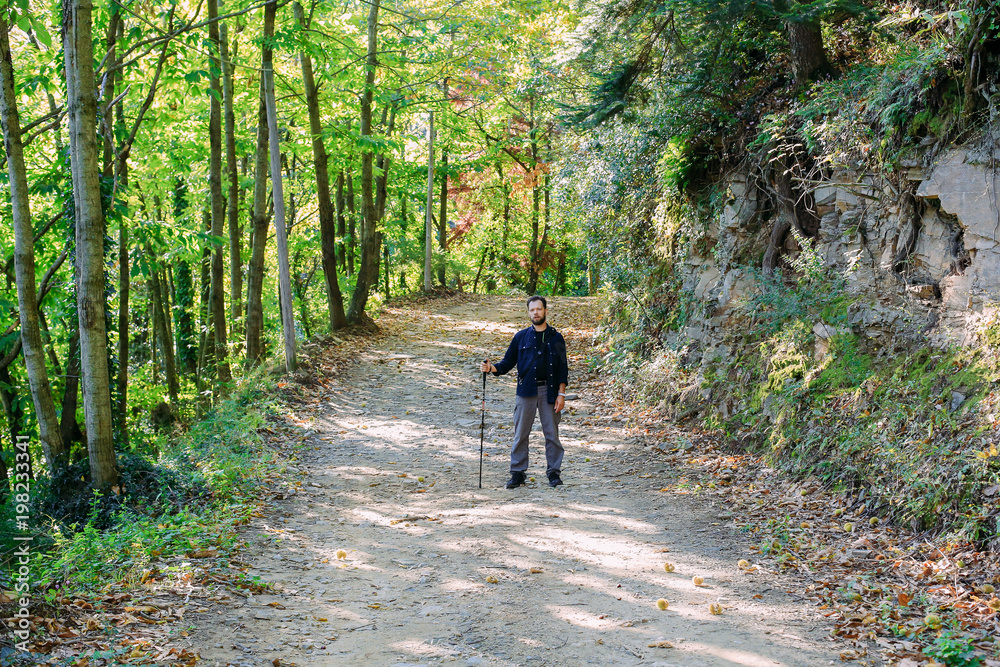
522 352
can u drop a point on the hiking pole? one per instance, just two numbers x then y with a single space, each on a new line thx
482 430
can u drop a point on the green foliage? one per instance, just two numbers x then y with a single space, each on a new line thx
953 650
193 497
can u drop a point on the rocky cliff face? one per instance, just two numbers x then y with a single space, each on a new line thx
922 258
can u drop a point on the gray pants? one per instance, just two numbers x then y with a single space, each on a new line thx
524 418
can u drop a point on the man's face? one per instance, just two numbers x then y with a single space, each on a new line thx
536 311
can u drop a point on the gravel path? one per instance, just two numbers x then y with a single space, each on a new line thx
439 571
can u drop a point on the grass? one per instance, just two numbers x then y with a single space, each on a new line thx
192 497
913 425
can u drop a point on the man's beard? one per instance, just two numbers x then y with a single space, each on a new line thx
538 321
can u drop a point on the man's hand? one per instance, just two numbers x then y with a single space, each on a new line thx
560 404
487 367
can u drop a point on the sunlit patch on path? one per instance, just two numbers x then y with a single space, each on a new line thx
433 570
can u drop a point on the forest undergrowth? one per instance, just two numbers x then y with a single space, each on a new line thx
114 580
870 472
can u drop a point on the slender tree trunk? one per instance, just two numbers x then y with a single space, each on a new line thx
277 195
24 265
546 217
385 255
107 89
123 330
370 239
428 211
352 219
124 279
206 347
327 220
68 426
443 221
233 200
90 288
533 260
255 275
505 229
479 272
218 203
341 223
561 269
12 411
50 347
162 332
593 273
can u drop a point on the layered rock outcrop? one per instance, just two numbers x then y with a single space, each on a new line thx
920 252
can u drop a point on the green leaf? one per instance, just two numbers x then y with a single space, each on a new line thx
41 32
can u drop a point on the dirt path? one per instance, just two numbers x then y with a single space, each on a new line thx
439 571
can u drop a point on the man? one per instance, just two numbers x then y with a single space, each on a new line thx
539 352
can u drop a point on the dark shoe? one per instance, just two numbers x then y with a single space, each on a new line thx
554 479
516 479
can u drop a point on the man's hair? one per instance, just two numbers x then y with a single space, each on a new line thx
538 298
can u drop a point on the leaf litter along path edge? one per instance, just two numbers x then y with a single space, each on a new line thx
390 554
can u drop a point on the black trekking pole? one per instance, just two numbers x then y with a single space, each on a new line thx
482 431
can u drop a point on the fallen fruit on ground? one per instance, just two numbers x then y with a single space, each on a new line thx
341 554
669 567
662 604
697 580
715 608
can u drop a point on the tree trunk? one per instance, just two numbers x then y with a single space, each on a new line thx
277 195
443 220
479 272
385 256
68 426
90 285
805 39
352 218
327 221
505 230
255 275
218 203
233 200
368 271
533 259
24 265
206 346
593 274
124 280
162 332
50 347
12 410
107 91
787 219
341 223
561 269
547 213
428 217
